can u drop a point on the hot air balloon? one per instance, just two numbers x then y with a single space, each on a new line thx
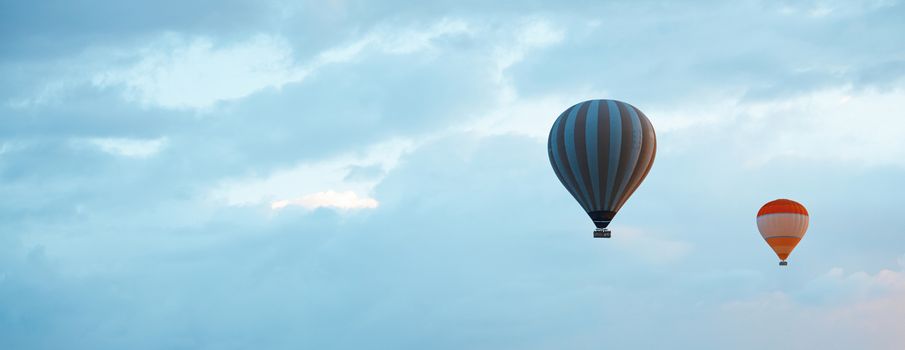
782 223
601 150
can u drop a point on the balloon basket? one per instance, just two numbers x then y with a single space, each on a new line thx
783 263
602 233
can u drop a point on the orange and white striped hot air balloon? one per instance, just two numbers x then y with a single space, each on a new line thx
782 223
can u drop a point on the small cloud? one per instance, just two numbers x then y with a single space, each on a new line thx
838 286
883 280
125 147
347 200
338 173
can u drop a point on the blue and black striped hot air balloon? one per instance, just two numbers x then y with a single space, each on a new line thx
601 150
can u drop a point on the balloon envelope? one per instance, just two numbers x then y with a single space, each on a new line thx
782 223
601 150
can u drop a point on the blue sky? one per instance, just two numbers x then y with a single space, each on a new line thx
360 174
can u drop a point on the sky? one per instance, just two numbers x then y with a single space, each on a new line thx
374 175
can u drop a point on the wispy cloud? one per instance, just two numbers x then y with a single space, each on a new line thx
324 183
328 199
530 35
513 114
126 147
396 40
835 124
524 116
866 315
839 285
197 73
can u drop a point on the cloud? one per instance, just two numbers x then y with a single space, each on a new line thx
860 127
345 173
328 199
524 116
404 40
835 124
183 72
195 74
325 183
532 34
839 287
513 114
884 279
865 311
132 148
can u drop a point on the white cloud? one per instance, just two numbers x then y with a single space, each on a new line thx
320 182
860 284
328 184
530 117
197 73
394 41
125 147
514 114
306 182
868 314
531 35
835 124
328 199
420 39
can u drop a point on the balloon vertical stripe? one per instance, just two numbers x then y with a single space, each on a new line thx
603 148
581 151
591 131
615 144
645 159
572 155
625 152
634 151
555 152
